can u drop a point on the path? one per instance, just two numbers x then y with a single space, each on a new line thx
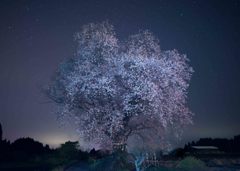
78 167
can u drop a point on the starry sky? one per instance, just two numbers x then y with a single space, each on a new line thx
35 36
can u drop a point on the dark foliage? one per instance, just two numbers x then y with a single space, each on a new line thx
34 155
0 132
117 161
225 145
176 153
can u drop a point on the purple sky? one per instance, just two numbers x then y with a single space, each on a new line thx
35 36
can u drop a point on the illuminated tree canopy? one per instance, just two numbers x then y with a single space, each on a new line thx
115 89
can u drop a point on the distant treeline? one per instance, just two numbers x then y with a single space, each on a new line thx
28 153
31 153
24 148
223 144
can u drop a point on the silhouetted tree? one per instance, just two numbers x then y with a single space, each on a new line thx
25 148
69 150
96 154
5 151
1 133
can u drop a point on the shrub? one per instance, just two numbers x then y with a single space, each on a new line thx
114 162
191 163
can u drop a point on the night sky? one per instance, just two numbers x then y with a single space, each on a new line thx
35 36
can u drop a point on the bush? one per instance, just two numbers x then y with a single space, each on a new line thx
191 163
114 162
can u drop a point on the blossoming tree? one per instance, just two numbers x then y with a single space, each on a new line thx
116 89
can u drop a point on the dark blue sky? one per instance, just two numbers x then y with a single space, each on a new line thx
35 36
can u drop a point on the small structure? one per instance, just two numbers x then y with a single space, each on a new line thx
204 150
151 159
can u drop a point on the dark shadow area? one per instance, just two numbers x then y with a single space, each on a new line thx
204 154
28 154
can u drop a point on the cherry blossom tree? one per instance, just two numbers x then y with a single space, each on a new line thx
116 89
